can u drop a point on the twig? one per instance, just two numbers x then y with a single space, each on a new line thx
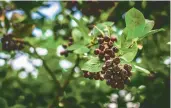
92 44
50 72
70 75
99 30
142 69
65 84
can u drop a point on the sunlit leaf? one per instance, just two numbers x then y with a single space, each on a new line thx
93 65
135 23
76 34
81 25
82 50
151 33
74 46
129 53
149 24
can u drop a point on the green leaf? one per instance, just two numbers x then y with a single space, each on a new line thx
93 65
81 50
149 24
108 23
101 27
151 33
45 43
129 53
74 46
78 48
83 29
122 38
50 43
135 23
81 25
76 34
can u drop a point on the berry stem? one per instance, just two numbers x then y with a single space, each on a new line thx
108 31
99 30
142 69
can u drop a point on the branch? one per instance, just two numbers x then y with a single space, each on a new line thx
50 72
65 84
70 75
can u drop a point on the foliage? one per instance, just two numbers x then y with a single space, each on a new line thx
37 75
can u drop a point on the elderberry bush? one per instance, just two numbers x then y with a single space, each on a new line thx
115 74
80 54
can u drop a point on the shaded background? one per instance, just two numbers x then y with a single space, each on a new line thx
24 82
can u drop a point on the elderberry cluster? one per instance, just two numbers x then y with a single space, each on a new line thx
115 74
9 43
65 52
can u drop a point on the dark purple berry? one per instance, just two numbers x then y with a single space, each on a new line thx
129 73
113 39
106 38
86 74
101 47
104 67
115 49
113 84
124 72
101 53
65 46
97 76
107 57
91 76
100 40
107 76
127 67
117 68
109 72
103 71
116 60
120 85
101 78
110 44
108 63
63 52
96 51
108 51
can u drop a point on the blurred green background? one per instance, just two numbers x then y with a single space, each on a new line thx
25 83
